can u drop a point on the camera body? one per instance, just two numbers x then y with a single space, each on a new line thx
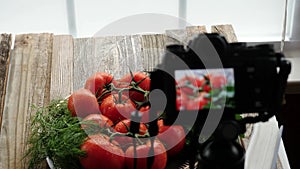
254 77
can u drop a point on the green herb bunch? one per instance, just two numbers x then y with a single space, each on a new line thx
57 135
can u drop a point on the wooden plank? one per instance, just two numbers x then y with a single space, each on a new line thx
128 56
153 49
83 56
28 84
193 31
176 36
153 46
62 67
5 45
115 55
183 36
226 30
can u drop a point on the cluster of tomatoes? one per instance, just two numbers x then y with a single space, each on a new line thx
107 104
194 93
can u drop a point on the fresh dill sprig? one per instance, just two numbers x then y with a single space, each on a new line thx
56 134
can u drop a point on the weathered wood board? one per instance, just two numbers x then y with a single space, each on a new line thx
62 65
180 36
226 30
5 45
153 49
115 55
28 84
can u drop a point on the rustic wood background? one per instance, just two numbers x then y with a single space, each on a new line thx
42 67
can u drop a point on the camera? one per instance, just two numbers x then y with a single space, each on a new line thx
210 80
233 77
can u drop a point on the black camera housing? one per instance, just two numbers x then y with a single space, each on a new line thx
260 74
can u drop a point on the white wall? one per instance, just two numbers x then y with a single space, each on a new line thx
33 16
93 15
253 20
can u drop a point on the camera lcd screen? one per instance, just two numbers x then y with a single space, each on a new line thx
199 89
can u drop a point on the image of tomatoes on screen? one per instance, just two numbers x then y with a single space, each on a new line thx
199 89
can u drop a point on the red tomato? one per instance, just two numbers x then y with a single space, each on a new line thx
173 137
178 92
217 81
97 82
99 119
117 109
160 123
181 101
101 153
145 114
179 105
123 141
196 103
121 84
144 78
145 111
128 81
207 88
82 103
190 84
124 125
142 152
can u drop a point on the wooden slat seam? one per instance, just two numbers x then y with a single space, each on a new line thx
6 55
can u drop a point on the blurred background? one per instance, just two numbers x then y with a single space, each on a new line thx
253 20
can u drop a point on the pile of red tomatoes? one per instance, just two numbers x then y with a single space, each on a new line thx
104 106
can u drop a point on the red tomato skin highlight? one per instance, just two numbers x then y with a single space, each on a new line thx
82 103
100 153
160 156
